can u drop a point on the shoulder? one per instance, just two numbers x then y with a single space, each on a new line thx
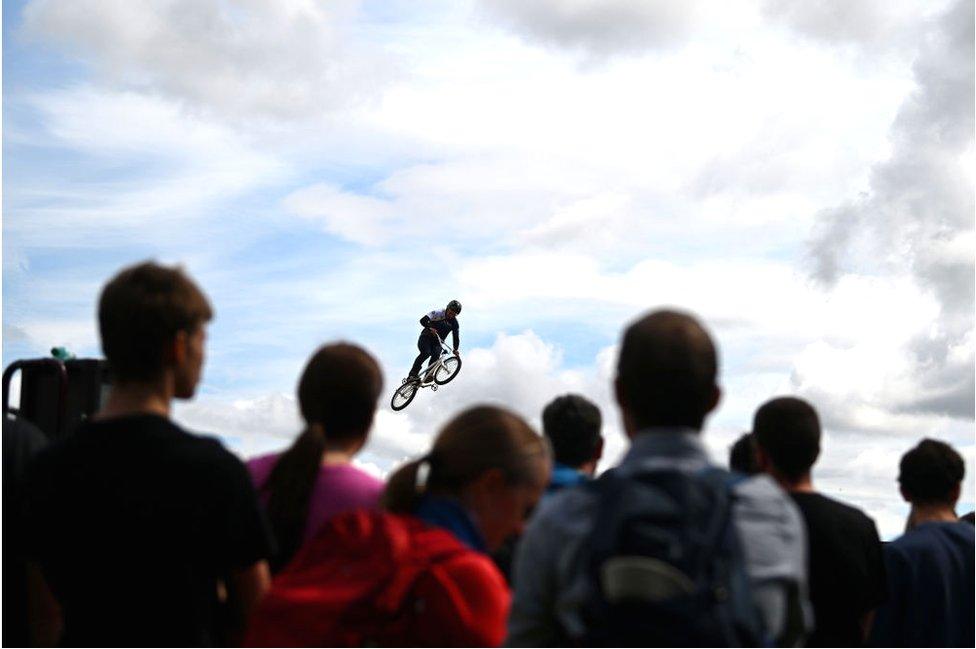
819 505
260 467
468 599
758 498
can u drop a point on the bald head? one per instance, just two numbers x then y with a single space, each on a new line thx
667 371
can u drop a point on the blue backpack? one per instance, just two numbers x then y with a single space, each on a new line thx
665 564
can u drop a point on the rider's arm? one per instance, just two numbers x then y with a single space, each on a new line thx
457 336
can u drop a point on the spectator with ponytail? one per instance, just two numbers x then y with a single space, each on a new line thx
417 574
314 479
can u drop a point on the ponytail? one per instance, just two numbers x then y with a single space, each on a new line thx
477 439
289 490
403 492
337 395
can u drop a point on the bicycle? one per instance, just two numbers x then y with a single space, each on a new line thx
441 372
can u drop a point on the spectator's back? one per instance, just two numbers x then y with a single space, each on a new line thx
846 570
847 576
930 568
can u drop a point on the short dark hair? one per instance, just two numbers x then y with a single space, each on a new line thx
929 472
572 424
742 455
667 370
787 429
140 311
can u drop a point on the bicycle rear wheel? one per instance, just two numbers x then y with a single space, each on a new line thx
403 396
448 370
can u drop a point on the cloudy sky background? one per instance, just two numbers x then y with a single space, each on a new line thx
799 174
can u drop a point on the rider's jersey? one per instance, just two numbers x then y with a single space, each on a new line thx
442 324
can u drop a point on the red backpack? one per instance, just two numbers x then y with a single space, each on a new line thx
381 579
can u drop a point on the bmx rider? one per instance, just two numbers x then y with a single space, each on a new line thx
437 324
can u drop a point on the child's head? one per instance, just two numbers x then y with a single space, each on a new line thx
489 459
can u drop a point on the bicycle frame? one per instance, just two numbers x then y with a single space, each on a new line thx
431 369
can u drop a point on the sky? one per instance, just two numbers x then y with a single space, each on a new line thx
798 175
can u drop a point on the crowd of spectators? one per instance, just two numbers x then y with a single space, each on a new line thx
133 531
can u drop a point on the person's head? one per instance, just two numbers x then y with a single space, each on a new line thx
337 396
666 373
453 309
931 474
572 424
489 459
152 319
787 437
742 455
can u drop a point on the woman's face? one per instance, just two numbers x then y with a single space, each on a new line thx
501 509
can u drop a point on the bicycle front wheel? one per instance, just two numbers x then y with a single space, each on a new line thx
448 370
403 396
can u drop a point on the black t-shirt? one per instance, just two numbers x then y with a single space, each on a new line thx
133 521
847 573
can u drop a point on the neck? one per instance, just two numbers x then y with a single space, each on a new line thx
341 452
589 468
137 399
803 484
937 513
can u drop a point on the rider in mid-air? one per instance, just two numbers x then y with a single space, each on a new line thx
437 324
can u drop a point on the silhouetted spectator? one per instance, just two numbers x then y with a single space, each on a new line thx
847 576
665 386
21 441
314 479
742 455
572 425
417 574
136 524
930 568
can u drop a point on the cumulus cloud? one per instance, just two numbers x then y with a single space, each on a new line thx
521 372
836 21
917 217
598 29
264 58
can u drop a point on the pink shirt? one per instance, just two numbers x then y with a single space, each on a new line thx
338 487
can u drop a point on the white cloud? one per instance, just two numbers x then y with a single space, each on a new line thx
151 169
247 58
917 216
598 29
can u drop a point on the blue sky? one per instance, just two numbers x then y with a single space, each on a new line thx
798 174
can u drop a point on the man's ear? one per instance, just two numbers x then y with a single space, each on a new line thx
621 398
714 398
174 352
954 495
618 393
762 460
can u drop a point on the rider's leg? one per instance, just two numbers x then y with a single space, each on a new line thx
424 353
434 350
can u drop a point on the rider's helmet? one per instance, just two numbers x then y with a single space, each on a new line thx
454 306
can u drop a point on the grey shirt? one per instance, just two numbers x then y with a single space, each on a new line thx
550 583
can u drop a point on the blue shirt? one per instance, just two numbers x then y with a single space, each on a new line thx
564 476
930 588
453 517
